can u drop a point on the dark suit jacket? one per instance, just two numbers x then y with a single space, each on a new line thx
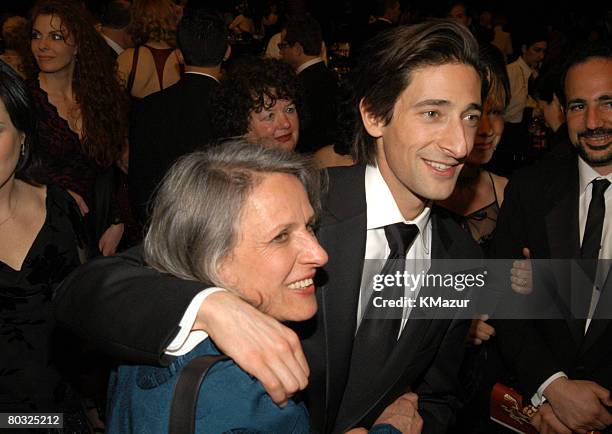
133 312
164 126
320 93
540 211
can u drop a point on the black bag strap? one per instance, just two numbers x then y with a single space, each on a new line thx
132 76
186 391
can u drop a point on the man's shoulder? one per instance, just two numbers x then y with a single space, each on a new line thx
317 75
546 174
458 242
343 192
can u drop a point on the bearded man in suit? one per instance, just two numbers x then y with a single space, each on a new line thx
561 209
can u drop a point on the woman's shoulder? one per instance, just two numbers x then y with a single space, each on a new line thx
62 206
499 184
38 94
59 197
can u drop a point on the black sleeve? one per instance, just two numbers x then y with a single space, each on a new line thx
439 390
124 308
521 342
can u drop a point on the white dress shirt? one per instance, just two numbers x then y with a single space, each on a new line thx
586 176
382 211
305 65
202 73
116 47
518 75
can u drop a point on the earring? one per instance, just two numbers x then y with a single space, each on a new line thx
22 149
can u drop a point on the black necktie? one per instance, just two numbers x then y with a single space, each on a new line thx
591 241
379 328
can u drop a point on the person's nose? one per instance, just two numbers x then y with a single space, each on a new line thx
457 141
593 117
41 44
313 254
485 128
283 121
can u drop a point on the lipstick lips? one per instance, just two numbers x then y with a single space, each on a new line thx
483 145
284 138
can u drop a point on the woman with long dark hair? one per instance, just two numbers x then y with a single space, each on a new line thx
81 110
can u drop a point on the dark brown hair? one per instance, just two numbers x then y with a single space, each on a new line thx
101 99
386 66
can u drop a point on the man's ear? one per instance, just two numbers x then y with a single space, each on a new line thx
372 123
299 48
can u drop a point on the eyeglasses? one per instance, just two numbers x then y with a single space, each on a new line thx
282 45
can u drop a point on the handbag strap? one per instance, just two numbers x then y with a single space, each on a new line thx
132 76
186 391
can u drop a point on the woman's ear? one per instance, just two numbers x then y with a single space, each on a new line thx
372 123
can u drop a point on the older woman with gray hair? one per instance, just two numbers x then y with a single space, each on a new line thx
239 217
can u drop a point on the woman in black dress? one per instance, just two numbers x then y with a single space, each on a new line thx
41 236
81 110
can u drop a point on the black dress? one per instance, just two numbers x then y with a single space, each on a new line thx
29 380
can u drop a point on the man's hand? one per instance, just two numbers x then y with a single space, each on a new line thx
521 276
258 343
546 422
480 331
578 404
403 415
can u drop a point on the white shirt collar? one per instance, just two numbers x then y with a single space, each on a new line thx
202 73
386 20
116 47
382 209
524 67
311 62
587 175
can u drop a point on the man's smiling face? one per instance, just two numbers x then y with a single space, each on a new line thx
422 149
588 88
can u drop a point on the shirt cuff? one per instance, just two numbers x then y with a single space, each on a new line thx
187 339
539 399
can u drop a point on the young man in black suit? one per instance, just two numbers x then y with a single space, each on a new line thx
419 102
176 120
561 209
300 46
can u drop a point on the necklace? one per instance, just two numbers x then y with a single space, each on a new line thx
11 212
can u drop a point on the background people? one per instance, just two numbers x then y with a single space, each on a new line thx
259 100
43 240
81 111
154 63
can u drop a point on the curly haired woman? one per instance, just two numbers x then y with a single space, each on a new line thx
81 110
154 63
258 100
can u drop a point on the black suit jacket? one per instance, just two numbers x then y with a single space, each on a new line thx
319 112
540 211
133 313
429 351
164 126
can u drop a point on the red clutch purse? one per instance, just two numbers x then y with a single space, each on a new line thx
506 408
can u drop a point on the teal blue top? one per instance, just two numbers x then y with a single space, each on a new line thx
230 400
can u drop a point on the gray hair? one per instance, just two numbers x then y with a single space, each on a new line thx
198 205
